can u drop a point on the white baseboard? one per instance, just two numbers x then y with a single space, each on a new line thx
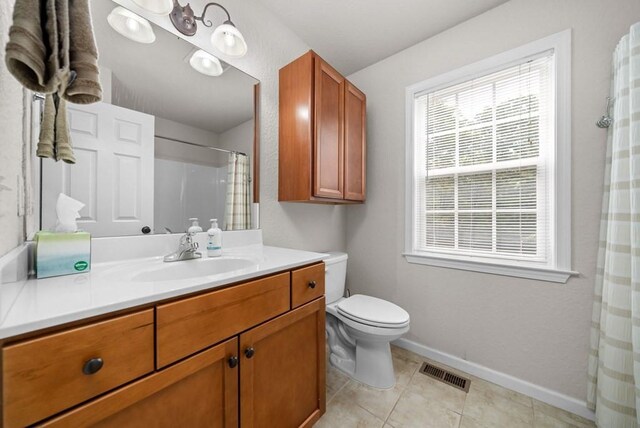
543 394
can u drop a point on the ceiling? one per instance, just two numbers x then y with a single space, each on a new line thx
157 79
353 34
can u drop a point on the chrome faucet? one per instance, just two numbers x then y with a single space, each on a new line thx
187 250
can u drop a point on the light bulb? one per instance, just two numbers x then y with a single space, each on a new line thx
206 63
132 25
229 40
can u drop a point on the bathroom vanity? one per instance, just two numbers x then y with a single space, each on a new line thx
129 342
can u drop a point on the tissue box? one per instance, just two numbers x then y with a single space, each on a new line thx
62 253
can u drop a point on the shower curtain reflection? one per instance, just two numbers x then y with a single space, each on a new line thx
238 204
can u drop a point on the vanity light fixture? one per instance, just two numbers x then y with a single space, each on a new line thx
206 63
131 26
159 7
226 37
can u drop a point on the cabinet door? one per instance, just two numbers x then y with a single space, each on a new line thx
329 133
201 391
282 370
355 104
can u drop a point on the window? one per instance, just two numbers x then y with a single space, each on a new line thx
488 165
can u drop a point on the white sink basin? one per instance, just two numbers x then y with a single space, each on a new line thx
192 269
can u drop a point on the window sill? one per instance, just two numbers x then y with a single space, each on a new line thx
540 274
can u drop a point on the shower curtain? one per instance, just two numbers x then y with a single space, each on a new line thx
614 359
238 205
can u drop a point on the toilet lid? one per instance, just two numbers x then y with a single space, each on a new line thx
373 311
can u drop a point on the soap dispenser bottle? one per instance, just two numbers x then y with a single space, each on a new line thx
214 241
195 227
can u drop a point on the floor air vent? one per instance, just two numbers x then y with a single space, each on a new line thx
445 376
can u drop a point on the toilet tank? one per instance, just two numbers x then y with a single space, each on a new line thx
335 276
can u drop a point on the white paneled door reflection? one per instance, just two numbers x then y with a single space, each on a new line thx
114 171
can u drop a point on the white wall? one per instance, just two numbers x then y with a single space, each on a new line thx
535 331
239 138
11 146
167 149
271 46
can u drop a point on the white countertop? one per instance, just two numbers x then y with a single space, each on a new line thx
111 286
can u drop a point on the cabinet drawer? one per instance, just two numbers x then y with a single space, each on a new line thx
307 284
46 375
201 391
189 325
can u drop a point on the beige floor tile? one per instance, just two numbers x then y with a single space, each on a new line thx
405 369
342 413
407 355
379 402
467 422
413 410
335 381
552 417
493 389
494 408
441 393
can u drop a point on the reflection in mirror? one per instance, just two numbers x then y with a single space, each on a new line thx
173 138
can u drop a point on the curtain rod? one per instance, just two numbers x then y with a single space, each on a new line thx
200 145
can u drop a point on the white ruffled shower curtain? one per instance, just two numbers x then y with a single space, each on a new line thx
238 205
614 359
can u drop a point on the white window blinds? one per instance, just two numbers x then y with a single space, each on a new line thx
483 165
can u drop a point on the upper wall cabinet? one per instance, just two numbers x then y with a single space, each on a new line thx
322 134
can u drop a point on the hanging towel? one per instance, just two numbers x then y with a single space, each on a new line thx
55 141
52 50
83 56
46 141
33 53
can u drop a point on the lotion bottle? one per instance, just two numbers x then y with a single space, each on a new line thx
214 240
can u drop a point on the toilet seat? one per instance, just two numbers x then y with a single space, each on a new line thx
373 312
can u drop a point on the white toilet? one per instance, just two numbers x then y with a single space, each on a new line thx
359 329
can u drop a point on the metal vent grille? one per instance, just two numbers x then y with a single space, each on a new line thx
442 375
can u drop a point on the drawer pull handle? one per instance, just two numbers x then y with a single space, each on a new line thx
92 366
249 352
312 284
233 361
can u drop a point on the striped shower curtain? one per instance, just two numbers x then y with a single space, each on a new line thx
238 204
614 359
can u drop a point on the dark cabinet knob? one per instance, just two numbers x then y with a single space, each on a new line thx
233 361
312 284
249 352
146 230
92 366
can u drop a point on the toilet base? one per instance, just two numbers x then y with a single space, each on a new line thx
362 356
374 365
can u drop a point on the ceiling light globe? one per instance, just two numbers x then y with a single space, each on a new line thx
131 26
159 7
228 40
205 63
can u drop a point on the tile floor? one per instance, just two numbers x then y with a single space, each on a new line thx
419 401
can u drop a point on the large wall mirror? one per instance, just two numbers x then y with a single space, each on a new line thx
173 139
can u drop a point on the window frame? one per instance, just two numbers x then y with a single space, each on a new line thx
559 267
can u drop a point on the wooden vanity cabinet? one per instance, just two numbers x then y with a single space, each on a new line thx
322 139
282 370
249 355
201 391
